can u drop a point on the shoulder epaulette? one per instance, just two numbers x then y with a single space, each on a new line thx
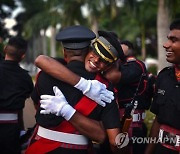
166 69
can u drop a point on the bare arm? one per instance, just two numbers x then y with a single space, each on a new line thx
113 74
60 72
153 133
112 133
88 127
93 89
59 106
56 69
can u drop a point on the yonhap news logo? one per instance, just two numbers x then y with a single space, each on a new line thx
123 140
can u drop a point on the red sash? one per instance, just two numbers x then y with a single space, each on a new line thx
84 106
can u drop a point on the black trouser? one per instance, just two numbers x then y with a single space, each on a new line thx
104 148
67 151
161 149
9 139
139 148
136 148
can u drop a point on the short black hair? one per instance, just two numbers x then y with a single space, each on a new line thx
16 48
128 43
175 24
19 43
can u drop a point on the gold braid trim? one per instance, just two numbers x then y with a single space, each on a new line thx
107 48
99 52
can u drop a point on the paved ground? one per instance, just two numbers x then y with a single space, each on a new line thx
28 114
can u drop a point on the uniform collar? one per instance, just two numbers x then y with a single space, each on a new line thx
130 58
78 67
10 62
172 74
76 62
177 73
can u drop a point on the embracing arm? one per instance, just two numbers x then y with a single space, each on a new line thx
56 69
112 133
59 106
93 89
88 127
113 74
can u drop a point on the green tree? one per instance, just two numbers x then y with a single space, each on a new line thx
36 18
45 14
141 16
6 7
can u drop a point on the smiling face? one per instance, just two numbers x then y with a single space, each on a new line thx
93 63
172 47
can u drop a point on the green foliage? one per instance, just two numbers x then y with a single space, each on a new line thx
133 20
59 50
6 7
1 49
71 13
153 69
174 7
149 120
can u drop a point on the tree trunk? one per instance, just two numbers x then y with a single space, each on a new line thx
53 42
113 9
95 25
162 31
29 58
34 47
143 42
37 46
44 43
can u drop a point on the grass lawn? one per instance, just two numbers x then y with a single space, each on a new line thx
149 120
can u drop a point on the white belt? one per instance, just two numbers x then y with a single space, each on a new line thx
161 131
62 137
8 116
139 116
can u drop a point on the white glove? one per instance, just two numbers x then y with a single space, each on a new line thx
95 90
56 105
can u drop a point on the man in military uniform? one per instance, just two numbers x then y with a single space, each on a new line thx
129 79
16 85
132 85
94 63
166 102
